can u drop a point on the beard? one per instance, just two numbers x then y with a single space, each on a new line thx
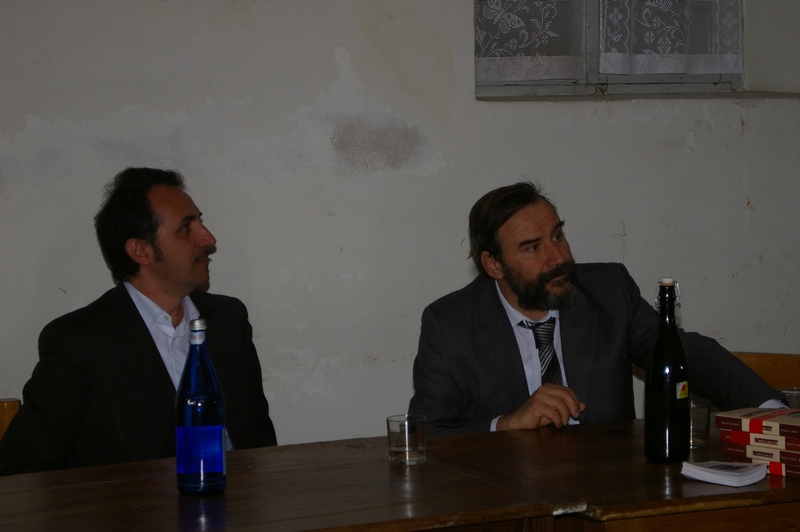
535 294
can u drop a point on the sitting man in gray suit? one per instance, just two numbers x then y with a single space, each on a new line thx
478 368
104 388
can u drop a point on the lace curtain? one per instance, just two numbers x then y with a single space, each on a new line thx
671 37
525 40
535 40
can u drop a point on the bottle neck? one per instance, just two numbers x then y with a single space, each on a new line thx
666 301
197 337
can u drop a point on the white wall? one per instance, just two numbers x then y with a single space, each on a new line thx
335 149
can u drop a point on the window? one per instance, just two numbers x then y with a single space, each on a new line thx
568 47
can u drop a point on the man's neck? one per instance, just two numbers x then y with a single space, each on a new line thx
169 303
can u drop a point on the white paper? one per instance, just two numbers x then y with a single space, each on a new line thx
725 473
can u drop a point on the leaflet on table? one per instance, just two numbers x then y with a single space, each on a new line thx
725 473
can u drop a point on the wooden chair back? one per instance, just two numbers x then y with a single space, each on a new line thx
779 370
8 409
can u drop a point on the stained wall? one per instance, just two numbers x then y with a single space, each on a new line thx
335 149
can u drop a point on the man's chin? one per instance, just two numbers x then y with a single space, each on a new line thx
563 299
203 282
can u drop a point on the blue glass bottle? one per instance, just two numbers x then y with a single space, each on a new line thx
200 421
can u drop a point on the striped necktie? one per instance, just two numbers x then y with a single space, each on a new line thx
543 335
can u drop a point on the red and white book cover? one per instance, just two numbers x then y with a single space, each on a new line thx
761 453
773 468
772 421
760 440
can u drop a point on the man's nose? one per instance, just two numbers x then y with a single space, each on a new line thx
557 254
207 238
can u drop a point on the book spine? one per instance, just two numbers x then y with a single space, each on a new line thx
773 468
729 423
781 429
760 440
762 453
763 424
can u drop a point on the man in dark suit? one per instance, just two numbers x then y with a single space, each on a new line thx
104 388
478 367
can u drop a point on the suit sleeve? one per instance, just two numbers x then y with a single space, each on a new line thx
54 402
439 391
714 373
720 377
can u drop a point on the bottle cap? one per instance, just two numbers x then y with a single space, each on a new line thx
197 325
668 281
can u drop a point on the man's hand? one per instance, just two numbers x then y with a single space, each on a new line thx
549 404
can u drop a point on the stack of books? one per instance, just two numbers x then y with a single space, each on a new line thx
768 435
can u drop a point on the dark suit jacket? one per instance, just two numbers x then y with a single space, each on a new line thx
468 369
100 392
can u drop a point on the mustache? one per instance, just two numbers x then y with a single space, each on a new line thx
207 251
568 269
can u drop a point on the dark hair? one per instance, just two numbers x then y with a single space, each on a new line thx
493 210
126 213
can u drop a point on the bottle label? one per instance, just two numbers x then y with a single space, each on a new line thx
200 449
197 337
682 390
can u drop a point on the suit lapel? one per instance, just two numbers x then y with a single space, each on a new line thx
497 343
214 341
203 308
136 348
578 344
206 313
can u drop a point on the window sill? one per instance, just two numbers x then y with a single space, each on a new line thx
582 94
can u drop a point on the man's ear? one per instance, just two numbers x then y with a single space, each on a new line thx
139 250
493 267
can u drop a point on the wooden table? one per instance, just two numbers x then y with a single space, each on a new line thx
341 484
604 466
591 477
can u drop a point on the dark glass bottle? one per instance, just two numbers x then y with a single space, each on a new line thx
200 421
666 387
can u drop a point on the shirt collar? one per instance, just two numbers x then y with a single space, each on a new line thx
153 314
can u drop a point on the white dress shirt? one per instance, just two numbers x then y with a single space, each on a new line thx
527 347
172 342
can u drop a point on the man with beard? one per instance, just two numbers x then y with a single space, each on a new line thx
478 367
104 388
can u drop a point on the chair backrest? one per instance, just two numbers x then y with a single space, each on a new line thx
779 370
8 409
